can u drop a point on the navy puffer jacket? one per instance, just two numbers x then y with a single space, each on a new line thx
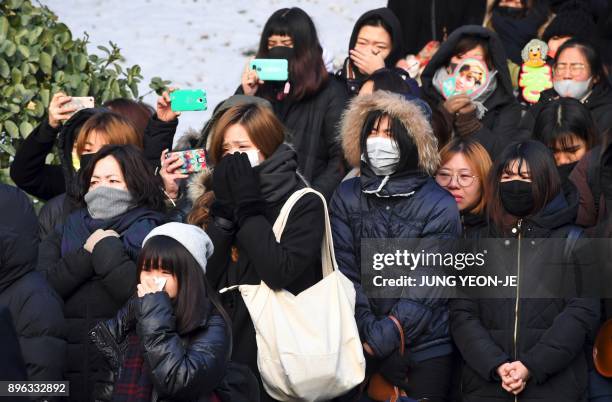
403 205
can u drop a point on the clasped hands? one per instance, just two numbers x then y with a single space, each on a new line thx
513 376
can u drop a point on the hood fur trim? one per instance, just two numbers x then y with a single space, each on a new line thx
408 113
198 184
187 141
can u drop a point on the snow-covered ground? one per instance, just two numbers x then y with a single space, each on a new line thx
199 43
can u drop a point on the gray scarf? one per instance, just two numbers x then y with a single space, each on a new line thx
108 202
442 75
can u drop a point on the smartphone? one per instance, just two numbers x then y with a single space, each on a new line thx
80 103
188 100
271 69
194 160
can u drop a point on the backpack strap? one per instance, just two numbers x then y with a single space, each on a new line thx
593 178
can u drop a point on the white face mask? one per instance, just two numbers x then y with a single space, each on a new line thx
384 155
253 155
573 89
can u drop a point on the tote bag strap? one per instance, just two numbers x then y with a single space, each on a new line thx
328 257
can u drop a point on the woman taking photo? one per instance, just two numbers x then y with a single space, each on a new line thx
391 141
310 103
90 260
254 174
522 347
464 168
176 322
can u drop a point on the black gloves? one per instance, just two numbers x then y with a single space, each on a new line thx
244 185
236 187
394 369
223 206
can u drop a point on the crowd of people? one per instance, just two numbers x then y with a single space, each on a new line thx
119 284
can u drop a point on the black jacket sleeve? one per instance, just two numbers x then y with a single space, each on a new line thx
220 258
504 132
158 135
328 180
473 340
564 340
178 371
279 264
42 334
118 272
64 274
29 171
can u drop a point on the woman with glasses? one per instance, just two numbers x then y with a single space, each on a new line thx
577 73
464 167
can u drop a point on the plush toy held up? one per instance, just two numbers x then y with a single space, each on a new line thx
535 75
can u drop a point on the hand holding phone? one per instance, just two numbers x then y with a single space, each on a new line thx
188 100
77 103
193 160
271 69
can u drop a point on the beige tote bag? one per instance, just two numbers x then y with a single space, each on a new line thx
308 346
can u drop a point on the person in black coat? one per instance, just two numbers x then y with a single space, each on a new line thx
35 308
254 174
172 342
310 103
375 43
495 125
90 259
526 347
578 73
395 196
434 20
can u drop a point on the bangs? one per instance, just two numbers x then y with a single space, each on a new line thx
520 161
157 255
565 142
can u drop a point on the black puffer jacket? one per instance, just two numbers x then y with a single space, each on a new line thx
350 77
551 333
35 308
500 122
403 205
94 286
183 366
293 264
599 103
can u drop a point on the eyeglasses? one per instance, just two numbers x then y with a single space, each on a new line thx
444 179
574 68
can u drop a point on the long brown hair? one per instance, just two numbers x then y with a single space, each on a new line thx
265 131
478 159
307 70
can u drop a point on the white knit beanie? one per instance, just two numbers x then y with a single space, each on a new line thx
192 237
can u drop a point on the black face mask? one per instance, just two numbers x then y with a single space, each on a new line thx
281 52
566 170
517 197
86 159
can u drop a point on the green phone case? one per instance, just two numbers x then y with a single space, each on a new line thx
188 100
271 69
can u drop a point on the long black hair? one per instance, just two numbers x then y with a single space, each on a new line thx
141 181
195 298
558 120
306 69
409 155
545 181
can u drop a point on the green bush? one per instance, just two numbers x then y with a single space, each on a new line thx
39 57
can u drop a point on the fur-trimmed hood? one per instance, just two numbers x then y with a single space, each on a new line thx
198 184
409 113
